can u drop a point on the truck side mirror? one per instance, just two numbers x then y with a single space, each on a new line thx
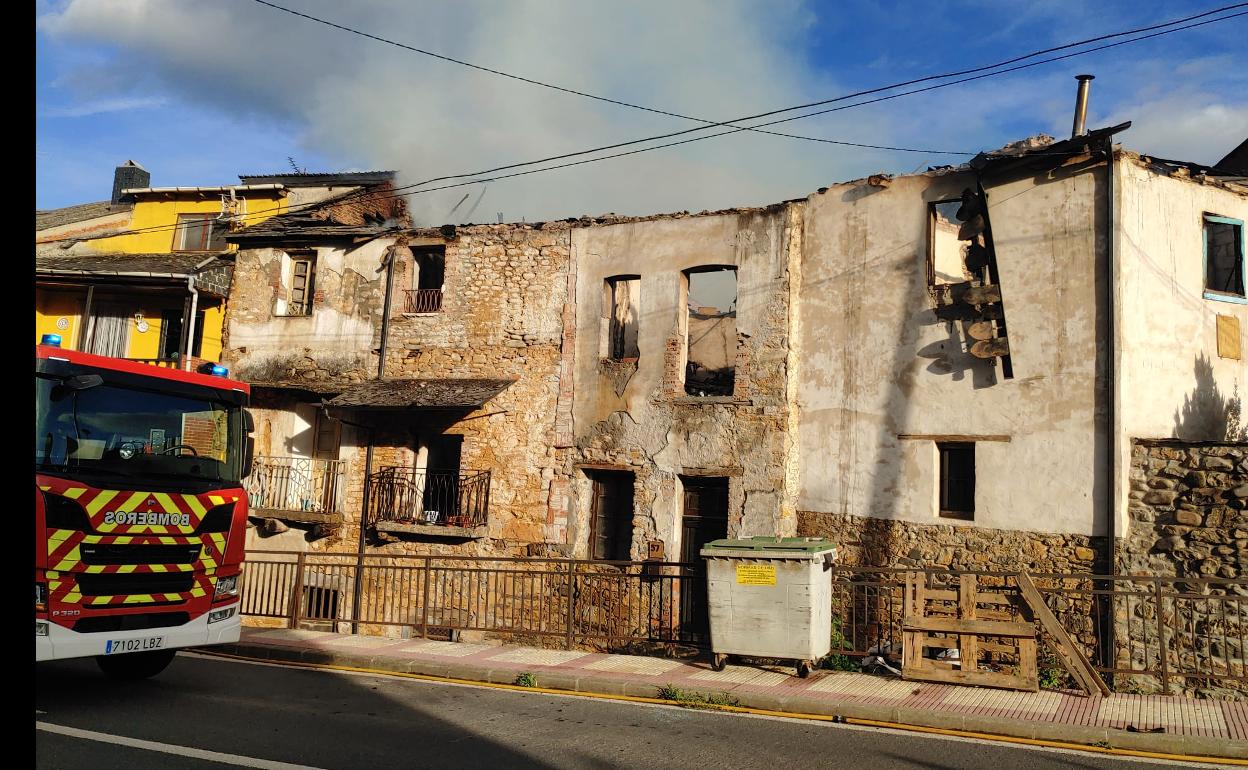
249 448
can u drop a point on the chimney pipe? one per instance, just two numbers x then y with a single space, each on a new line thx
128 175
1081 106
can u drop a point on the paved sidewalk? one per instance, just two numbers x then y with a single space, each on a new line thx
1188 726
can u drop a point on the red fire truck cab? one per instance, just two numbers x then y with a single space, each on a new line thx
140 512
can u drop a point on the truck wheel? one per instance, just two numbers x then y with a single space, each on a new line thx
135 665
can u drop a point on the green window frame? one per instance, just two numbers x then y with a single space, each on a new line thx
1229 293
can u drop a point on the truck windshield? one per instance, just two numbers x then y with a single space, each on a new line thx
132 432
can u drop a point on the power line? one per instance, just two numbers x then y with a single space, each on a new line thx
732 129
712 123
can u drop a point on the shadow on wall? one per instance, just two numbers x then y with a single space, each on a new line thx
1207 413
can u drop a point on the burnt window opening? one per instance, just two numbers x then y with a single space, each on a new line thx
622 309
957 479
962 275
428 278
711 331
957 247
298 284
1224 258
611 515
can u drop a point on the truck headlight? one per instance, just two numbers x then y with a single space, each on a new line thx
227 587
41 597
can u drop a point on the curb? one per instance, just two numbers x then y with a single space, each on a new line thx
1101 739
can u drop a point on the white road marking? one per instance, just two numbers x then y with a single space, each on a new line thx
169 748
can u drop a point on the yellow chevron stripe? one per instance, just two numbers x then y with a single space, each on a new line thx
74 493
124 540
193 503
58 535
44 488
216 499
99 600
198 592
50 575
172 597
127 568
159 568
166 502
71 558
218 538
169 540
100 501
94 569
138 599
73 597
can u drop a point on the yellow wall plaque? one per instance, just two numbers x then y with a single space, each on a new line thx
756 574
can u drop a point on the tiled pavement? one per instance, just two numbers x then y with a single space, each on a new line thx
1187 726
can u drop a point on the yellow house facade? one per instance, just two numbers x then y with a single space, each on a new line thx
145 275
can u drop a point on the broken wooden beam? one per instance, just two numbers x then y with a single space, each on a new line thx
1069 653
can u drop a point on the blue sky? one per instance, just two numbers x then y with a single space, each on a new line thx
200 92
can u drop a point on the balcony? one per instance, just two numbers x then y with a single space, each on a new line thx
443 504
422 301
297 489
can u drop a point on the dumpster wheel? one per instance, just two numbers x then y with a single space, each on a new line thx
803 668
718 661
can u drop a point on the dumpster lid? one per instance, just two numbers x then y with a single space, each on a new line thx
807 544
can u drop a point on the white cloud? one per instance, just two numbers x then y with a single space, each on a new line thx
101 106
1195 127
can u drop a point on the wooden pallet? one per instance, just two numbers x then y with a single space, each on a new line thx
962 631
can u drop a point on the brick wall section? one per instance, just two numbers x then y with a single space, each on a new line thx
1188 510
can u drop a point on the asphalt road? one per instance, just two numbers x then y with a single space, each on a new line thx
263 716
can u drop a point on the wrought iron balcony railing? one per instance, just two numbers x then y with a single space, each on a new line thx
296 484
422 301
447 498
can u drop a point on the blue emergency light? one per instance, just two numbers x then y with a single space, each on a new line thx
216 370
53 340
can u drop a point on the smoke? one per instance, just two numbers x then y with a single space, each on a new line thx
374 106
387 108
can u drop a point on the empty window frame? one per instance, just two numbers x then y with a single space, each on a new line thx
298 284
199 232
957 479
611 515
428 276
622 306
711 331
1224 259
957 250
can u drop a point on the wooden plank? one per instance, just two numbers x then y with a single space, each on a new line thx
1069 653
1027 661
968 647
977 678
912 643
993 348
951 437
956 626
981 330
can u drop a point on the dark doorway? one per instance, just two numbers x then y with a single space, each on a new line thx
704 518
442 475
611 515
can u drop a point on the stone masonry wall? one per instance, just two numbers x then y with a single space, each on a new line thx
1188 510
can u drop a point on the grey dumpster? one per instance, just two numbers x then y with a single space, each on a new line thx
770 597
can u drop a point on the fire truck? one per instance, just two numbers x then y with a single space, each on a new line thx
140 511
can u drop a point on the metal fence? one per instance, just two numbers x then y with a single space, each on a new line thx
1142 633
422 301
407 496
296 484
565 602
1151 633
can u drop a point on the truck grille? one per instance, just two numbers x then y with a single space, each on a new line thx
99 553
134 583
131 622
